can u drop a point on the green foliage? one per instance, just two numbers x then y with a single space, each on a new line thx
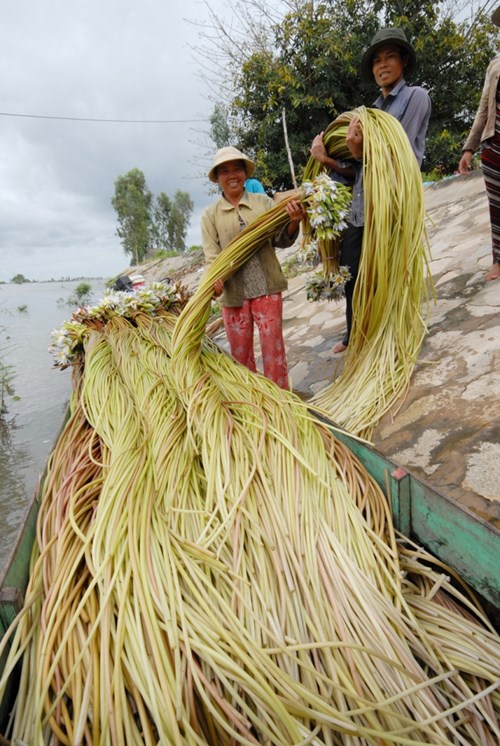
163 254
311 71
162 215
171 220
23 308
19 279
6 386
215 310
145 223
178 223
220 129
132 202
81 295
83 290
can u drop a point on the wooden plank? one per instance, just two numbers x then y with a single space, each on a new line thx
11 603
400 492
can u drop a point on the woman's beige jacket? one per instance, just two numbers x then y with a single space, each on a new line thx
483 126
220 224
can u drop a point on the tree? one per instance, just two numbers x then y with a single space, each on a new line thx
178 223
311 73
132 202
220 128
171 221
19 279
145 223
308 65
161 221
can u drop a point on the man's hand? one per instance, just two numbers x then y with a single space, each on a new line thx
354 138
318 150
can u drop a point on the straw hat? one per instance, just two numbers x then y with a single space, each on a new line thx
495 16
230 154
388 36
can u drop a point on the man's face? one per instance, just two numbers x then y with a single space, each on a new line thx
388 66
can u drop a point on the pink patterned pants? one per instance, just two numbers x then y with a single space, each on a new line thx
267 313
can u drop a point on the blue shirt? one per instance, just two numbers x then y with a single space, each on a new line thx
411 106
254 185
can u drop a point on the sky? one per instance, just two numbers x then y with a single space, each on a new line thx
95 59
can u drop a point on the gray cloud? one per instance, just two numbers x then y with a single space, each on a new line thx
109 59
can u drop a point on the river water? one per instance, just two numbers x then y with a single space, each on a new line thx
28 431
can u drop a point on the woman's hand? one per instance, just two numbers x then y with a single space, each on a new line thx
218 288
354 138
465 162
296 212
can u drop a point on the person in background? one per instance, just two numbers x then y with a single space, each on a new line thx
254 185
485 133
253 295
388 59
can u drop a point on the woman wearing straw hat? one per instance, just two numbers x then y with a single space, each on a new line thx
485 133
388 60
253 293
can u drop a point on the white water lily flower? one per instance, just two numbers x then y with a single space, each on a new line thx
159 296
327 203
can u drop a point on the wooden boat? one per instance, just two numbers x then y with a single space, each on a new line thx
453 534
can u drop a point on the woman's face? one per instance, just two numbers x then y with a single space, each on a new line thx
388 66
231 178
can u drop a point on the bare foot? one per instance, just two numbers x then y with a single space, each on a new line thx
494 272
339 347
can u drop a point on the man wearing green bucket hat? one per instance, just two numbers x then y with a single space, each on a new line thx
388 59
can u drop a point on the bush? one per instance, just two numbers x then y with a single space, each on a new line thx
165 254
81 295
6 387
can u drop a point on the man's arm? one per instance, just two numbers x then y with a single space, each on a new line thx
319 153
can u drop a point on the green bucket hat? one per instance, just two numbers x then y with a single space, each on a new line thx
388 36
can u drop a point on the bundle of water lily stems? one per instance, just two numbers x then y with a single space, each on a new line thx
388 325
213 567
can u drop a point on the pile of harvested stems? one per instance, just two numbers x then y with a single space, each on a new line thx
388 327
213 567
